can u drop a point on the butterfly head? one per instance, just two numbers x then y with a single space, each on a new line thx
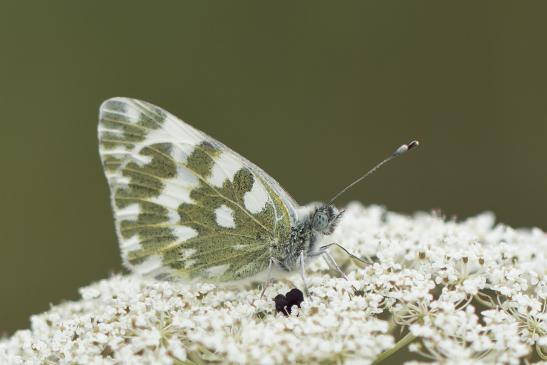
325 219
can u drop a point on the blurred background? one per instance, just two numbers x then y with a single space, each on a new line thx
315 92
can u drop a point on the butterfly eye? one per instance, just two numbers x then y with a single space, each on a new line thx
320 221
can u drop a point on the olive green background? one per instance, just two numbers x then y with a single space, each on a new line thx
314 92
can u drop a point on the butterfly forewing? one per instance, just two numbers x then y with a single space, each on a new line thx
185 205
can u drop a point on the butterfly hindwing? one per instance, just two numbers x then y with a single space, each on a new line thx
185 205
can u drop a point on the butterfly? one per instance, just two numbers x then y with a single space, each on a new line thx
187 207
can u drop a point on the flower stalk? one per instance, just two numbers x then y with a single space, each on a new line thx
408 338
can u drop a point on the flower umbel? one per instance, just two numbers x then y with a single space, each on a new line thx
458 292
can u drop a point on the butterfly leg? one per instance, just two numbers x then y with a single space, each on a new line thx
302 274
268 281
332 263
324 249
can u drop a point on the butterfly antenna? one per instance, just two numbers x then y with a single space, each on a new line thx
399 151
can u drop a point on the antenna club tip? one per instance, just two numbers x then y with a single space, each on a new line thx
404 148
413 144
399 151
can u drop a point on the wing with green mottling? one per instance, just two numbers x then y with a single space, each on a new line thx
185 205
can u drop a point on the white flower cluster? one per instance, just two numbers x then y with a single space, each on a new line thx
466 292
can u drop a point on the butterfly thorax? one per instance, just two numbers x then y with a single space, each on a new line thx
305 236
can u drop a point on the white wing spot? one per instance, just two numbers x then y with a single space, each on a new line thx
177 189
184 137
133 114
130 113
119 181
181 151
240 247
151 263
130 244
256 199
184 233
189 263
128 155
130 211
225 167
225 217
217 270
184 254
187 177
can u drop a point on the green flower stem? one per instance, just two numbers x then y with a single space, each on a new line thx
487 304
409 337
540 352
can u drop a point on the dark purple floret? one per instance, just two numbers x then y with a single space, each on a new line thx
294 297
283 303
